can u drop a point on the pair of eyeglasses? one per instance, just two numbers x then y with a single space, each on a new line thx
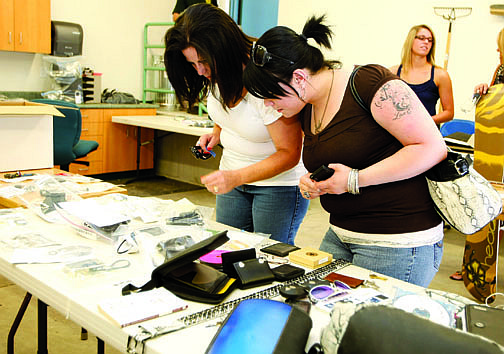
261 56
422 38
324 292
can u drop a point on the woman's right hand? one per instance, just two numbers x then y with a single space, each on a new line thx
481 89
207 141
308 187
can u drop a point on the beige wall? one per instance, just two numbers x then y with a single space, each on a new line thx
113 42
368 31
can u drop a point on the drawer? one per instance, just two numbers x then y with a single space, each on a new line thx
90 129
94 168
92 115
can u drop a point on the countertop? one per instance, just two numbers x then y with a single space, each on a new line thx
116 105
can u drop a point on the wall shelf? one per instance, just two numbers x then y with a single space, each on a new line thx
148 67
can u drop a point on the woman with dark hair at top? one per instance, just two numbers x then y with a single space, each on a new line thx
418 70
381 215
257 181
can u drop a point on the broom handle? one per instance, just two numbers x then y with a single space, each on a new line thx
448 40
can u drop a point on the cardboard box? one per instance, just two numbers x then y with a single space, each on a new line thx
310 257
26 135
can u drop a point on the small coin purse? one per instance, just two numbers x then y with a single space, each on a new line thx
253 272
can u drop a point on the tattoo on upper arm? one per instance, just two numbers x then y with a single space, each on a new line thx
399 97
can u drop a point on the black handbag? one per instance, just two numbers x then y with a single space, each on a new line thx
189 280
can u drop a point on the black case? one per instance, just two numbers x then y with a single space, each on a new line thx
176 274
253 272
230 258
249 328
485 321
279 249
287 271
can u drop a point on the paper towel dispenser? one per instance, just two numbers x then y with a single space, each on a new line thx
66 39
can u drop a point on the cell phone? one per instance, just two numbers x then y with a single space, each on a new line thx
322 173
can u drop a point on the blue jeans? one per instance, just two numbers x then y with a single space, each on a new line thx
277 211
416 265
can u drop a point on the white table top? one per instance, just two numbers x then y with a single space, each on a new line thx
172 123
78 298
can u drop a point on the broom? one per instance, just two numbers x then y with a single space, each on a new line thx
450 14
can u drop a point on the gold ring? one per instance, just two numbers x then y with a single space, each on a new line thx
307 194
216 189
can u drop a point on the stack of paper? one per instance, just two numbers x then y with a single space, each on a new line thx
143 306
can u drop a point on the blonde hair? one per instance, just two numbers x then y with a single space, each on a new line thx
500 41
408 44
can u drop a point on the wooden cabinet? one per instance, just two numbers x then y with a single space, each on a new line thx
92 129
121 141
118 142
25 26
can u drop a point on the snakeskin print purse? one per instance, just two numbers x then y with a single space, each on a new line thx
463 198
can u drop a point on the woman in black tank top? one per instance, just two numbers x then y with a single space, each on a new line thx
419 71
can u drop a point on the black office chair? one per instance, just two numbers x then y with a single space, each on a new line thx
67 145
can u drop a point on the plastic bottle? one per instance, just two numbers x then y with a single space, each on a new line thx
470 105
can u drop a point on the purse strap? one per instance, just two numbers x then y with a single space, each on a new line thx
355 94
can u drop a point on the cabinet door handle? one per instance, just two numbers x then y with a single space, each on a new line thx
10 37
20 37
84 130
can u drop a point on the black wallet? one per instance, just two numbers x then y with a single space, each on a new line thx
230 258
279 249
253 272
287 271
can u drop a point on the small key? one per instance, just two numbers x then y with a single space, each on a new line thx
371 284
376 276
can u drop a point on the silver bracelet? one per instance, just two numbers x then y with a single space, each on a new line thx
353 182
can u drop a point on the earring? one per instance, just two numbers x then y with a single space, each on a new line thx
303 93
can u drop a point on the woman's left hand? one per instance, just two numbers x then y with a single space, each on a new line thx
220 182
338 182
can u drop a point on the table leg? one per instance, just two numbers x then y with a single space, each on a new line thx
42 327
17 321
139 145
101 346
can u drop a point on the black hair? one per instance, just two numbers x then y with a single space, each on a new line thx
219 41
263 82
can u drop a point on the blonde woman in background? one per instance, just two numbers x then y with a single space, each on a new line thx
419 71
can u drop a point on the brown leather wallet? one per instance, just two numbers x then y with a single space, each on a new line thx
350 281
